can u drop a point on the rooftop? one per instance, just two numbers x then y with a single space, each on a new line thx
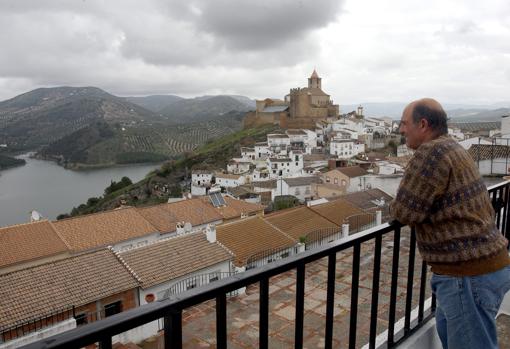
227 176
300 181
103 229
250 236
178 256
77 281
25 242
337 211
299 222
488 151
352 171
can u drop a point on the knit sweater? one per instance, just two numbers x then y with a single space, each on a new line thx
443 196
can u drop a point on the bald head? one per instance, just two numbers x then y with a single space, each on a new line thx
430 110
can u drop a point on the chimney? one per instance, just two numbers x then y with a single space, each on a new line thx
345 230
210 232
179 228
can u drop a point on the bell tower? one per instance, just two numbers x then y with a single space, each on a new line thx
314 81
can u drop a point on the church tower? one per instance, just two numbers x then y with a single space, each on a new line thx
314 81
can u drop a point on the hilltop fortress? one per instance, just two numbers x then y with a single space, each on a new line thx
301 108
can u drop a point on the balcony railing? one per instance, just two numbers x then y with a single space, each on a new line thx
171 310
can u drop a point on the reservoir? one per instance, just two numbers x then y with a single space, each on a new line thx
51 190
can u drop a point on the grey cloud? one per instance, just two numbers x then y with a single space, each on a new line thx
266 24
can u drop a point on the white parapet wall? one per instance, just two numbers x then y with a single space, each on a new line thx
41 334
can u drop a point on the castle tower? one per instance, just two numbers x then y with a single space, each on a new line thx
314 81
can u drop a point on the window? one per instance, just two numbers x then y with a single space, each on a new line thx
327 180
81 319
284 255
112 308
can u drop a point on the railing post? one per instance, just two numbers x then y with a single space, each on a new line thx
328 339
173 329
394 286
300 305
264 314
354 296
221 321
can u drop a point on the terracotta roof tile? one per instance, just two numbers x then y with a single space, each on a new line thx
235 208
488 151
102 229
337 211
300 222
175 257
250 236
228 176
46 288
165 216
163 220
25 242
194 211
352 171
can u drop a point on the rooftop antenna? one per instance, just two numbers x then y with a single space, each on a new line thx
35 216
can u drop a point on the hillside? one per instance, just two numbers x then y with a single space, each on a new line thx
204 108
175 173
154 103
8 162
45 115
101 144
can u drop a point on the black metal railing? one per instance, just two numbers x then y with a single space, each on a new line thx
393 235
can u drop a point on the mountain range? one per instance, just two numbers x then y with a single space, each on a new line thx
86 125
459 112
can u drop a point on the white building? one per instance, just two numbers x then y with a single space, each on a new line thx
229 180
262 150
300 187
278 142
456 133
346 148
248 154
201 177
467 143
288 166
237 166
260 174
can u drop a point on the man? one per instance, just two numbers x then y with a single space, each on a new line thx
443 196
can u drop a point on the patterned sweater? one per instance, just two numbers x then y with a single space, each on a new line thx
443 196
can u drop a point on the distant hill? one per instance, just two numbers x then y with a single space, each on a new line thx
103 144
45 115
8 162
205 108
467 115
465 111
154 103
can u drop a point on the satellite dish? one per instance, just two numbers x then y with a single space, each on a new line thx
35 216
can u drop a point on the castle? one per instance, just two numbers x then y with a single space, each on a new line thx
301 108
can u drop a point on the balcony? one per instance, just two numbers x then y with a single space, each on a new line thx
366 290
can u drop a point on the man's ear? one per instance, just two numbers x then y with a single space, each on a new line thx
424 124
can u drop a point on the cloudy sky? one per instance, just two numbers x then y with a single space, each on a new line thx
457 51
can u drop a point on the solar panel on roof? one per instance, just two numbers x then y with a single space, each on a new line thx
217 200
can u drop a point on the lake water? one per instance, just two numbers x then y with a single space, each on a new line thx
51 190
